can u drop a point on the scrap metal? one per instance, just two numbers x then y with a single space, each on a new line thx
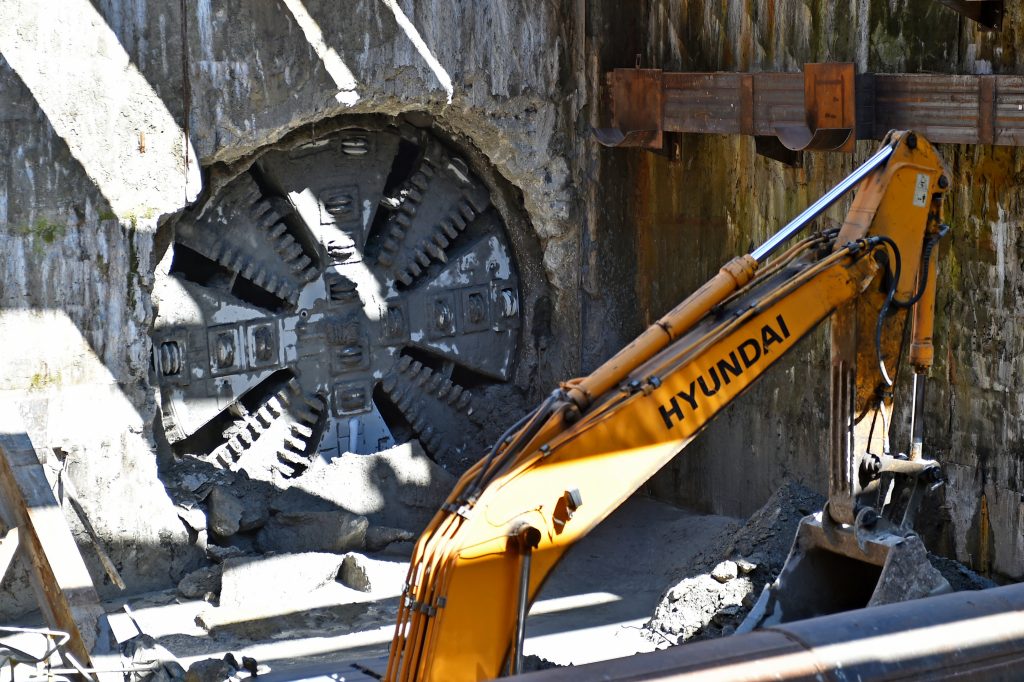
828 107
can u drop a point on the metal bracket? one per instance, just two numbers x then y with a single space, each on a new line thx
829 110
637 115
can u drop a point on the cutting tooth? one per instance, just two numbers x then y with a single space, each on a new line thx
268 219
404 402
404 278
437 252
289 457
449 228
423 258
292 252
277 230
420 180
273 407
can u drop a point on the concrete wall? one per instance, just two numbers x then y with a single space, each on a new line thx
110 109
694 214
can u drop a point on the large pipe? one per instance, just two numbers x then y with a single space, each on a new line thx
964 635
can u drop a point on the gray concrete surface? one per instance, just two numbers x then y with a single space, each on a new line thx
591 609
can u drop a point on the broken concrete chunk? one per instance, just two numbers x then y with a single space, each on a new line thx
250 582
355 573
379 537
198 584
193 517
225 512
699 607
336 531
209 670
725 571
219 554
745 566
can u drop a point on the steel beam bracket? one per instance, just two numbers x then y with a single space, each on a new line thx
830 115
637 112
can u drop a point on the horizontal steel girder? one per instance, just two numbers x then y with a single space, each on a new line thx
826 108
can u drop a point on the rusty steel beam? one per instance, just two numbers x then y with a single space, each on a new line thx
826 108
965 635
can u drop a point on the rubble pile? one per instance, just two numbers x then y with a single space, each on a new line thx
351 503
724 582
278 547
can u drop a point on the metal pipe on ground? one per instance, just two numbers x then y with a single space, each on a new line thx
965 635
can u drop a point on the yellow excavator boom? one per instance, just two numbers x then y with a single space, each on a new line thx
567 465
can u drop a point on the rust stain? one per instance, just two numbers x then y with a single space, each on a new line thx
993 175
985 531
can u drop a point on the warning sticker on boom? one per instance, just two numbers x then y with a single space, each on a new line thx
921 190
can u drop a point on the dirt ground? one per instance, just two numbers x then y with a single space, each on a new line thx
593 607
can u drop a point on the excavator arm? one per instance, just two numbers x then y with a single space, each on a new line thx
566 466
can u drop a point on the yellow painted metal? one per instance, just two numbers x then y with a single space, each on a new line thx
638 411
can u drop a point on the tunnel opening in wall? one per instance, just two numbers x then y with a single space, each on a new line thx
361 283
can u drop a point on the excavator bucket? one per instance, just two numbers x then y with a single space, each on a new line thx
833 568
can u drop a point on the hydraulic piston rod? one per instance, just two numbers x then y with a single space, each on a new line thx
818 207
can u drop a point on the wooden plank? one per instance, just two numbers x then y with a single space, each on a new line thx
59 577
